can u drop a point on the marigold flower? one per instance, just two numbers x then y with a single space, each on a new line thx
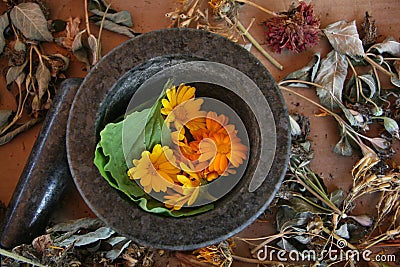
175 97
156 170
222 149
295 29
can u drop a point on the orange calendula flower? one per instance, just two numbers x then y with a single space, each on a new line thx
220 150
156 170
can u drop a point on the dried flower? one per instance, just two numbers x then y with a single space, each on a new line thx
295 29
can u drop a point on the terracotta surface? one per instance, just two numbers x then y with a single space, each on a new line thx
148 16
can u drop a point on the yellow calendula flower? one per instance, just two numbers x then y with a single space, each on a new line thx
182 109
175 97
156 170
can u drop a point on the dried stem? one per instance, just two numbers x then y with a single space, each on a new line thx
243 30
9 136
87 17
19 258
269 12
379 67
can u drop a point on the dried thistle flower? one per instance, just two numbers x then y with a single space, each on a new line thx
294 30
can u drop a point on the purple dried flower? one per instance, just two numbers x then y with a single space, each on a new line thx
295 29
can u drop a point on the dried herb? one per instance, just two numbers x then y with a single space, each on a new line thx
30 20
368 30
296 29
84 242
220 17
31 71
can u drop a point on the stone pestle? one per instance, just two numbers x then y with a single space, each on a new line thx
45 175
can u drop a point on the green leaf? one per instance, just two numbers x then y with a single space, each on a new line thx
29 19
344 38
114 151
123 17
331 76
3 25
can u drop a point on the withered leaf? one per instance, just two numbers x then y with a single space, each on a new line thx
343 147
119 244
307 73
3 24
43 77
331 76
76 225
58 63
369 80
122 17
14 72
343 232
389 45
364 220
30 20
79 49
94 47
114 27
4 115
344 38
19 45
395 81
337 197
89 238
294 127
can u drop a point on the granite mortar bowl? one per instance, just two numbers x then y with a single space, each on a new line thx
104 96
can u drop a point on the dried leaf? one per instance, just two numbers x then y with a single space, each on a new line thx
111 26
41 243
79 49
331 76
380 143
94 47
76 225
72 30
343 231
4 115
364 220
119 245
337 197
391 126
344 38
58 63
14 72
395 81
123 17
89 238
43 78
343 147
369 80
3 24
19 45
389 45
30 20
294 127
306 73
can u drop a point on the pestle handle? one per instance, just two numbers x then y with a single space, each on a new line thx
45 175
